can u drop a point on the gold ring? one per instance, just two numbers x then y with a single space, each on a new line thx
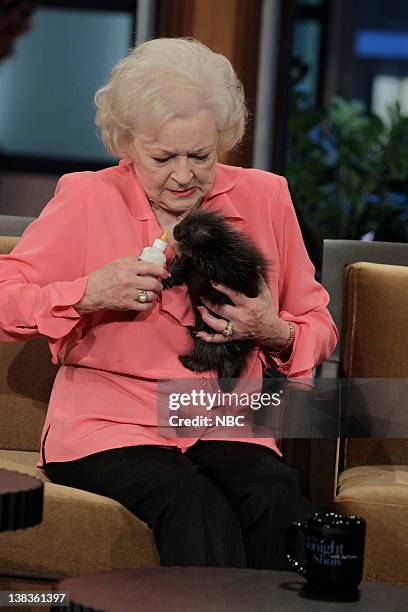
142 296
228 331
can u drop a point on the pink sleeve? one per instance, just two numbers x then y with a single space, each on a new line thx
302 300
44 275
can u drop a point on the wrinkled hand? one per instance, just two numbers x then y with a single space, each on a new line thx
251 318
116 286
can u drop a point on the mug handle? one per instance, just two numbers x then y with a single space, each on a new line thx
290 546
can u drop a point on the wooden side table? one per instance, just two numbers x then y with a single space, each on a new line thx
210 589
21 500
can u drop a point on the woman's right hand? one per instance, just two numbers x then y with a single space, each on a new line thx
116 286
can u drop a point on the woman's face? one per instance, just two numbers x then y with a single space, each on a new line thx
176 164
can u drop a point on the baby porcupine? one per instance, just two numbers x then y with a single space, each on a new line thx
212 250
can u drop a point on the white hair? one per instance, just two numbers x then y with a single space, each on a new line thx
169 77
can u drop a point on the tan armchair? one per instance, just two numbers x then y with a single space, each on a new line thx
368 476
81 532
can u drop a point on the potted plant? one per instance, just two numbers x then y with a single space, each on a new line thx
348 170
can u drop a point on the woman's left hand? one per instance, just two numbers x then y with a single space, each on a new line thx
251 319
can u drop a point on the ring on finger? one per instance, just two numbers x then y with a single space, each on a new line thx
228 331
142 296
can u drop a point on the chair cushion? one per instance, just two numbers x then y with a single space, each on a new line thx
81 532
7 244
380 495
375 346
26 379
375 321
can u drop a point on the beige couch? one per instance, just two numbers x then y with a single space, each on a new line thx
368 476
81 532
373 480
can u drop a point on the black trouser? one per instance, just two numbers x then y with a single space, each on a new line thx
219 504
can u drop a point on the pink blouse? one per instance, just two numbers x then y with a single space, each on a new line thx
105 392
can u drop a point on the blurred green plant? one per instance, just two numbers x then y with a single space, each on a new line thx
347 169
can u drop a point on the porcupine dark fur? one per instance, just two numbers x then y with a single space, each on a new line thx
213 250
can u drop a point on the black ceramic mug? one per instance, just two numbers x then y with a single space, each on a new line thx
333 554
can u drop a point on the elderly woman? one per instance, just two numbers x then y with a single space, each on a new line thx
171 109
